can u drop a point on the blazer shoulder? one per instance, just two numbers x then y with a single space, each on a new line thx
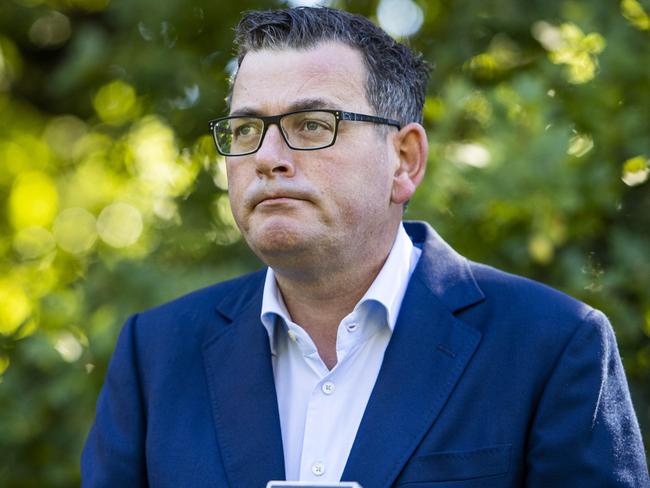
535 325
517 290
529 309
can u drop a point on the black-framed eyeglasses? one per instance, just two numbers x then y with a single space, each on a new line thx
302 130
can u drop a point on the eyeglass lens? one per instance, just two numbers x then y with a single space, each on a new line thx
302 130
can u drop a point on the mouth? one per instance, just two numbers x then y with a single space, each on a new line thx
274 200
271 199
277 202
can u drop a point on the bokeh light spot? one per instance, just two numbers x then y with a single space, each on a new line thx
166 210
25 152
40 278
33 242
92 186
400 18
470 154
75 230
155 152
116 102
50 31
478 108
569 46
634 13
33 200
547 35
541 249
580 144
120 224
156 158
68 347
62 133
15 306
483 66
635 171
434 109
502 55
91 146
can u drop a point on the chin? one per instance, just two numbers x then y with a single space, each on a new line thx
279 242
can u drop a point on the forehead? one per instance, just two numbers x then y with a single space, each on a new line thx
275 80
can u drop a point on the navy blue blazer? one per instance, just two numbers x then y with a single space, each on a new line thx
489 380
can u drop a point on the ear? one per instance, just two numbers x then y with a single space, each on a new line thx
412 148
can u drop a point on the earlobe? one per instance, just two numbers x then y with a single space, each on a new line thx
403 188
412 149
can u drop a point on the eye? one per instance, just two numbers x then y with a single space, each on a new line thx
312 125
315 125
245 130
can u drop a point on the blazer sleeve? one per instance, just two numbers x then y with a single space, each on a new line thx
585 432
114 451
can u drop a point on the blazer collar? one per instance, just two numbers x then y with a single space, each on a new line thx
445 273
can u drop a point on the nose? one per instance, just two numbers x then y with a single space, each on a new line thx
274 157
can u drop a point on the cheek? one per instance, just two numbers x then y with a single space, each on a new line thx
360 190
370 177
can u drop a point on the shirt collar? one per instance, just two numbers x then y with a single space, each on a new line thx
387 290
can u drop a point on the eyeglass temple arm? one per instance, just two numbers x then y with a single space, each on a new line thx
369 118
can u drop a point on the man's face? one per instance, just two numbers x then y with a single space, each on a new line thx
295 206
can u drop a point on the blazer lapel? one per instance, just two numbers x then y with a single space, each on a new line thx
425 358
242 390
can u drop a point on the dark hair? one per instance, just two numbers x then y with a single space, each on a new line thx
397 76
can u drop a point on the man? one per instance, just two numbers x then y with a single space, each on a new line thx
369 350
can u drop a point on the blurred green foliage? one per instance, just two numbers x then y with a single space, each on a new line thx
112 198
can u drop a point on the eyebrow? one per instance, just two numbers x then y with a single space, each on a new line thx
302 104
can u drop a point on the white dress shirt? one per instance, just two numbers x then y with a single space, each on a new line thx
321 409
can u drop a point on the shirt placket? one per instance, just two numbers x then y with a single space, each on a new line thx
317 462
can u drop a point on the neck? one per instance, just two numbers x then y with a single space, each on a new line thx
327 298
319 297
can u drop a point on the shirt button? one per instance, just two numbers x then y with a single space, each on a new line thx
318 469
292 335
352 327
328 387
